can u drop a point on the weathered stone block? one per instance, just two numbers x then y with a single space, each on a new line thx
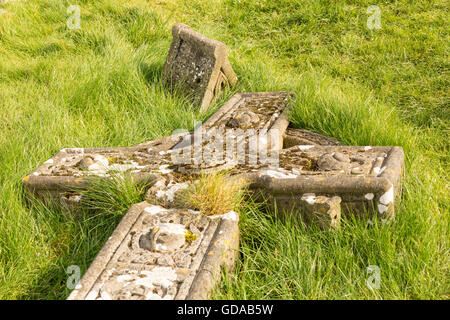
367 179
197 65
158 253
246 128
322 211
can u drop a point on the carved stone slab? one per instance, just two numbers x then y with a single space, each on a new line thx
249 124
366 178
197 65
159 253
57 177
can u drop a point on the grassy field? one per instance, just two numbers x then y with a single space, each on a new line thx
99 86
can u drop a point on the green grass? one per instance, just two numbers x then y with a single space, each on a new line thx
99 86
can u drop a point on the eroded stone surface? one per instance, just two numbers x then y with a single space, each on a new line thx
197 65
159 253
320 210
245 115
367 179
294 137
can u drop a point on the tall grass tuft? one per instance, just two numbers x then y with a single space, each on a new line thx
113 195
214 193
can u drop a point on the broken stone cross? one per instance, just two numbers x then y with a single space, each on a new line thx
161 251
172 253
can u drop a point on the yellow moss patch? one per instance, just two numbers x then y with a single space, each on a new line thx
189 236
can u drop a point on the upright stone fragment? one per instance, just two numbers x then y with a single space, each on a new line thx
322 211
159 253
197 65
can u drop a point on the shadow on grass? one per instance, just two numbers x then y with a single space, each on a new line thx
152 72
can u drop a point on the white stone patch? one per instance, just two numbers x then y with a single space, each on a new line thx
305 147
382 169
160 194
49 161
101 160
124 277
170 192
385 200
382 208
125 166
152 296
92 295
369 196
163 276
154 209
279 174
164 169
387 197
367 148
159 184
97 168
376 170
231 215
35 173
160 247
172 228
105 295
309 197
